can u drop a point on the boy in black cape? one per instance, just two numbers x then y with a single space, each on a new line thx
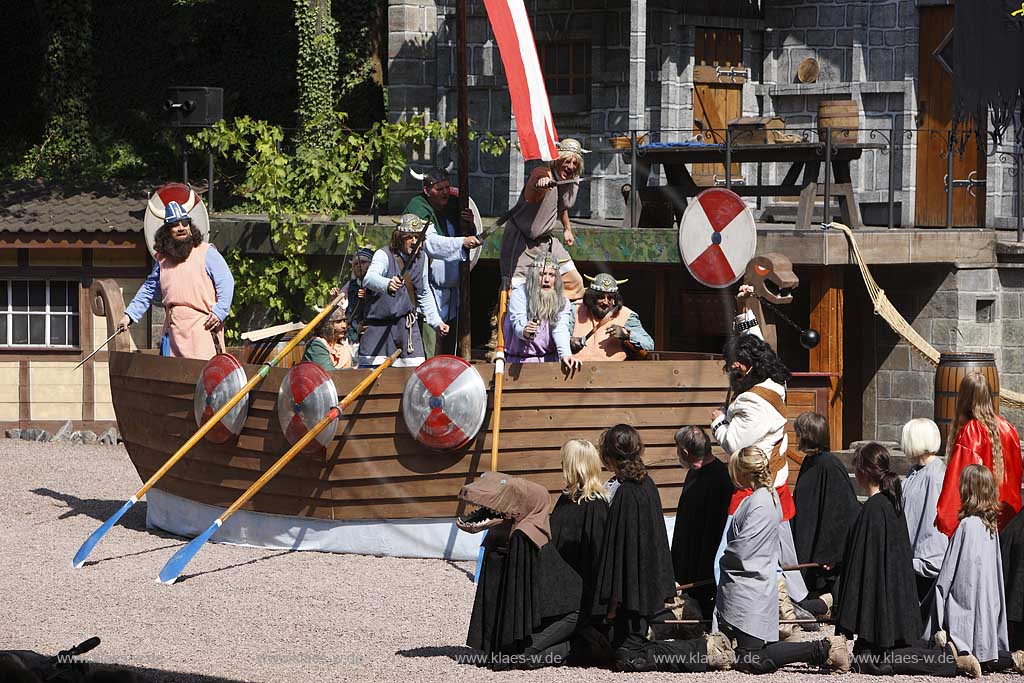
528 597
1011 547
826 507
635 578
876 595
700 516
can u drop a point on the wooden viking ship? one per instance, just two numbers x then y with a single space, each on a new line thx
374 478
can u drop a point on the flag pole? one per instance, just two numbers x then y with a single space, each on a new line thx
462 142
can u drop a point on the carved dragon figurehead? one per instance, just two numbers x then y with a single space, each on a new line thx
772 278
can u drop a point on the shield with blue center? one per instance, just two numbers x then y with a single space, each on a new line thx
305 396
444 402
220 380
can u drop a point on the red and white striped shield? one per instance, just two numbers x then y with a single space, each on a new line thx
444 403
186 197
717 237
222 377
305 396
534 124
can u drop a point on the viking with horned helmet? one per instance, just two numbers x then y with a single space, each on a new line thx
546 199
396 286
604 329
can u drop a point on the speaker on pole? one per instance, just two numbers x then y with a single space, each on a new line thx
193 106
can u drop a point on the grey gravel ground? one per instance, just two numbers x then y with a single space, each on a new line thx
242 614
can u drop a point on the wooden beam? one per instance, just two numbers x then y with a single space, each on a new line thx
662 314
827 318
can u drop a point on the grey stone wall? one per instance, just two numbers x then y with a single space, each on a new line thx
961 310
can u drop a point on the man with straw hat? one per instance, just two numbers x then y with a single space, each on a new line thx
396 286
604 329
195 285
549 193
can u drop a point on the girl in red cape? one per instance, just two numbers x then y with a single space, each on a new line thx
982 438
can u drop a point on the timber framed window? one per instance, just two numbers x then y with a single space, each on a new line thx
39 313
567 73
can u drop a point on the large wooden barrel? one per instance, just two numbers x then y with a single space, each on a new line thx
842 116
953 367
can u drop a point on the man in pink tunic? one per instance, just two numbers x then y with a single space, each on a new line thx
195 285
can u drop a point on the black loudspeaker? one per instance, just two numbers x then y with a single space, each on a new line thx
193 107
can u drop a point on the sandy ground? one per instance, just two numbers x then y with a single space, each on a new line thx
239 614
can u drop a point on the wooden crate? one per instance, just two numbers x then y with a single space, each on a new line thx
755 130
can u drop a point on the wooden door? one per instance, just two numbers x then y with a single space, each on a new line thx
935 113
717 96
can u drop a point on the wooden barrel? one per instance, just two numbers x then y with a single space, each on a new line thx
953 367
843 116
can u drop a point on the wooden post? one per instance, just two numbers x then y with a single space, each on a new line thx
827 319
462 140
661 310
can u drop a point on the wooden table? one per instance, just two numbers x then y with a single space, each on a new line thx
805 159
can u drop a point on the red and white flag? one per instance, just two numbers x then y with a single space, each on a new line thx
537 136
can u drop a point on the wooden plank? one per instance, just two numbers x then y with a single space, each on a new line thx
827 318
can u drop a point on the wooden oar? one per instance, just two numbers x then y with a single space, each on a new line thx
680 587
91 542
499 378
172 570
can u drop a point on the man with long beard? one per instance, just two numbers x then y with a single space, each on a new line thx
538 321
195 285
603 328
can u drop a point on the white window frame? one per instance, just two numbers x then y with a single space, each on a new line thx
7 311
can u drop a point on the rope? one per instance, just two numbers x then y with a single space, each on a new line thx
899 324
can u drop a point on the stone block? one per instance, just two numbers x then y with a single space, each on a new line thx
1009 306
13 433
908 14
912 385
833 65
805 17
975 335
883 15
406 71
875 38
894 411
888 432
880 61
942 305
832 16
109 437
778 16
65 432
1012 361
894 38
975 280
845 37
856 15
943 334
924 409
898 358
821 38
899 63
883 384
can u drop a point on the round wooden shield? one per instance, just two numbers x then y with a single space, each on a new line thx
220 380
717 237
478 224
305 396
184 195
444 403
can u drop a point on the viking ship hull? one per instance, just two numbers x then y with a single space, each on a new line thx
375 489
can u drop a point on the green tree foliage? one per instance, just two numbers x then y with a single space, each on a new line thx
320 180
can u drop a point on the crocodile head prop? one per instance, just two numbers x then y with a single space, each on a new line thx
772 278
502 498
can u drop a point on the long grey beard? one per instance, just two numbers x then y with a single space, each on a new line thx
546 304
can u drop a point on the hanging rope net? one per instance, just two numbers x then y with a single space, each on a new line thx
899 324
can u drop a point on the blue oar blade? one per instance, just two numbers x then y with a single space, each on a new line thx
176 565
91 542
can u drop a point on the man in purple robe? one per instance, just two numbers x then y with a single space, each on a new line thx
539 318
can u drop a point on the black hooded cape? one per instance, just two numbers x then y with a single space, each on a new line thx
577 530
635 567
1011 546
876 595
521 587
700 521
826 507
